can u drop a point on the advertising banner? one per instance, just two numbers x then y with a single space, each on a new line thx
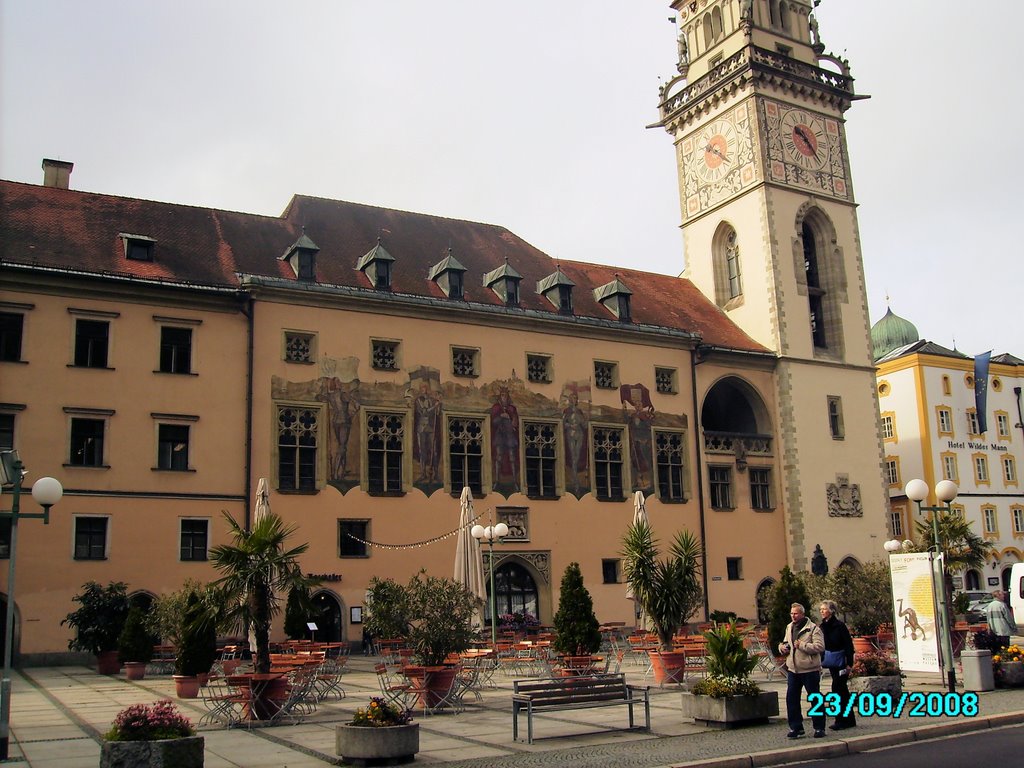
914 608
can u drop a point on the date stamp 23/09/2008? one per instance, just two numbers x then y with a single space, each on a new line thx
917 704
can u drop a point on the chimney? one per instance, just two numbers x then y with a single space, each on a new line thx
56 173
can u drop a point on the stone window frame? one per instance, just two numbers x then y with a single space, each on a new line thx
405 473
559 457
102 415
534 361
611 566
320 458
622 463
943 413
181 540
892 471
762 487
666 380
606 371
80 315
714 498
472 354
734 568
181 324
1009 466
888 417
836 425
484 457
379 348
684 468
89 544
1002 420
949 460
987 531
1017 516
20 310
364 550
982 472
291 338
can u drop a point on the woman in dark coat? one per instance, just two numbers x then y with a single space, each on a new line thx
837 638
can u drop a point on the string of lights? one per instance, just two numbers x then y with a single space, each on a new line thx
417 544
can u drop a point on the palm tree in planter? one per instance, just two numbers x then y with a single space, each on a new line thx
668 590
258 568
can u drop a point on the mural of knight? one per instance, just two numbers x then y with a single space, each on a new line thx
576 428
638 413
505 443
425 393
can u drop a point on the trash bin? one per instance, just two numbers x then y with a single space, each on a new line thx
977 666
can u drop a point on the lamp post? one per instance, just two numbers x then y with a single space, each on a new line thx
47 492
489 534
945 492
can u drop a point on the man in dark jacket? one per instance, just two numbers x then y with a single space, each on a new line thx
837 638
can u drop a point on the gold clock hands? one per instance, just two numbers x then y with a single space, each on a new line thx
714 150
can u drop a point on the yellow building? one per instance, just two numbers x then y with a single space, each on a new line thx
160 359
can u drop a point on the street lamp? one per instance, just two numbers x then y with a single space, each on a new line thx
945 492
489 534
47 492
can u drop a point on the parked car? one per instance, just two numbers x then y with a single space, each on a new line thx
976 608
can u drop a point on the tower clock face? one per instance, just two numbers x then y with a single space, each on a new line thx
804 140
714 151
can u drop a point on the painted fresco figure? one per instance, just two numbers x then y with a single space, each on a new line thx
641 442
505 440
342 409
427 408
574 425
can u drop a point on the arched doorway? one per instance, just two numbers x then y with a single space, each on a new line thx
515 590
1005 579
972 580
764 606
327 616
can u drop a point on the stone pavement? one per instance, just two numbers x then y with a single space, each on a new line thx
58 715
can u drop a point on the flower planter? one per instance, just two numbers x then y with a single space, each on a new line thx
1011 673
107 663
387 745
863 644
731 712
135 670
186 687
438 684
875 684
180 753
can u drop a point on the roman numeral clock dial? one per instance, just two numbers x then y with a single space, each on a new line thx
803 139
714 151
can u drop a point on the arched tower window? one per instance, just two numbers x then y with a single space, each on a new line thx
821 277
709 32
726 266
716 22
783 16
773 12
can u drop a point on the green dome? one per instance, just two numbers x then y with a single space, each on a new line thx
891 332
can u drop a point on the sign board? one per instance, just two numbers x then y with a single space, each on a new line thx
916 616
311 626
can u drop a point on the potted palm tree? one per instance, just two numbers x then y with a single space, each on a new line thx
98 622
668 590
258 568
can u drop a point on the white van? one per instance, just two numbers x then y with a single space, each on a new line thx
1017 594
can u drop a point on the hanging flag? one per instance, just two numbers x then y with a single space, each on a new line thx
981 389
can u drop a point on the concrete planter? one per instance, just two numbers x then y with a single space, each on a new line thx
874 684
390 745
1011 673
167 753
731 712
135 670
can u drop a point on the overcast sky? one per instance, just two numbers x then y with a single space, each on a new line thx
530 115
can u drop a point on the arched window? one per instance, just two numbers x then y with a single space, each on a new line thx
728 274
716 22
972 580
784 16
821 277
709 32
773 12
515 589
764 606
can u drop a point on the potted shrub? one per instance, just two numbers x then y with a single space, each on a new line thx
576 627
151 736
198 647
668 591
727 697
135 645
378 734
98 622
387 611
1008 666
876 673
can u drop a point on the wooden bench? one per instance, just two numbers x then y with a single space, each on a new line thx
559 694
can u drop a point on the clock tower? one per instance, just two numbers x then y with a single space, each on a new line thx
770 233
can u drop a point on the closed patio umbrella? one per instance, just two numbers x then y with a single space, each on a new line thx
469 564
261 508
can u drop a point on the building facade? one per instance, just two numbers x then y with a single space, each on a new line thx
161 359
933 430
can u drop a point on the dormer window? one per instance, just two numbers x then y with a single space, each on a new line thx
504 281
376 265
557 289
301 256
615 298
448 274
138 247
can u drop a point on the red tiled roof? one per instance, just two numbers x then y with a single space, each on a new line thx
79 230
